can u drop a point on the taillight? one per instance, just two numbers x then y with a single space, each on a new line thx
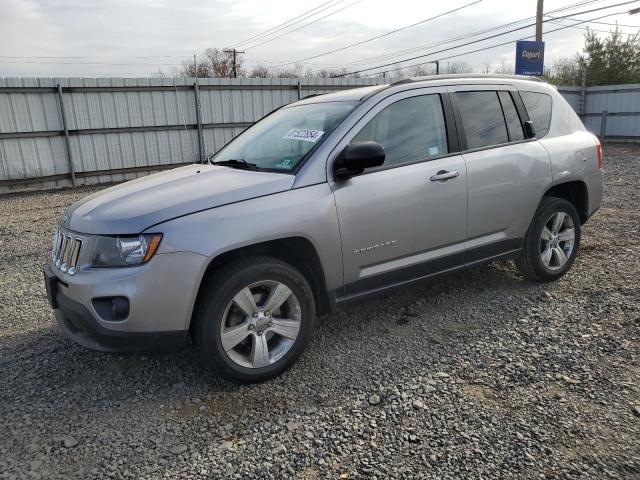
599 153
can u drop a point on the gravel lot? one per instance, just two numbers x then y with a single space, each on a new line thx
475 375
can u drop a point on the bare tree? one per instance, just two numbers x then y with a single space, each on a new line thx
565 71
260 71
290 73
505 68
420 71
324 73
214 63
456 67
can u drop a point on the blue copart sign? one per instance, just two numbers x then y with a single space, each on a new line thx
529 58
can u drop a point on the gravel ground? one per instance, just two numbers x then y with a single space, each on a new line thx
475 375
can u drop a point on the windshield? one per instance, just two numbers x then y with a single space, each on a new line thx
280 140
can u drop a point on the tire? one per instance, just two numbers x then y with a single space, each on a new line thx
225 292
541 257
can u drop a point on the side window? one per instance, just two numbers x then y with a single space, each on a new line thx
410 130
538 107
514 125
482 118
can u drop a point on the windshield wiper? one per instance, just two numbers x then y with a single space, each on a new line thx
237 163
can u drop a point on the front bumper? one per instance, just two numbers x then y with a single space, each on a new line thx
161 295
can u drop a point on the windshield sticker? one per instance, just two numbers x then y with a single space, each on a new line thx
304 134
287 163
433 151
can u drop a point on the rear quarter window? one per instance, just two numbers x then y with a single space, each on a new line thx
538 107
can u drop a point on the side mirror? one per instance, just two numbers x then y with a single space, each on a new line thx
357 157
529 131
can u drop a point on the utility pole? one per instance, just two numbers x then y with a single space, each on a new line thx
195 66
539 13
234 68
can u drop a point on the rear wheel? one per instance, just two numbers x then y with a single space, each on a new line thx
552 241
255 318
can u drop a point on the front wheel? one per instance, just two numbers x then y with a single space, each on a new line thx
254 319
552 241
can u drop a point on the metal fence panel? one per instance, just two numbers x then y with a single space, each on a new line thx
129 123
622 106
121 128
572 95
32 157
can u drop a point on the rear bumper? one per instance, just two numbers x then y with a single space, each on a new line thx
595 189
79 324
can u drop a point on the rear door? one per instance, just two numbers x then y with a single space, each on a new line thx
405 219
507 174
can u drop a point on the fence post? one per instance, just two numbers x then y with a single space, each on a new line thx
196 90
603 126
299 89
72 172
583 94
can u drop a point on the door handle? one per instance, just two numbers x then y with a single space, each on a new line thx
444 175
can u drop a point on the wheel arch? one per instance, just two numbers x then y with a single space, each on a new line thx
575 192
297 251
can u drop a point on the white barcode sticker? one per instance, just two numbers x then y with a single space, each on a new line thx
304 134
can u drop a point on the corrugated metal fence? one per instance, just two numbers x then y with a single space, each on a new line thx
57 132
612 111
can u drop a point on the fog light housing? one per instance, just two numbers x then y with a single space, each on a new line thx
112 309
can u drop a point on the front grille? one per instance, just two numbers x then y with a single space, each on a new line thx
66 251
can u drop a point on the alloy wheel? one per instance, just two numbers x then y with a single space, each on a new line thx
260 324
557 241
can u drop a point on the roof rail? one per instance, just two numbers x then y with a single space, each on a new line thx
312 95
465 75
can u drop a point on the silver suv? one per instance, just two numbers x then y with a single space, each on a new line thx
323 201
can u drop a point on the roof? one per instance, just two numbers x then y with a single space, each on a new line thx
350 95
362 93
466 76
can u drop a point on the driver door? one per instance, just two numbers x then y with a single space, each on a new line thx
406 219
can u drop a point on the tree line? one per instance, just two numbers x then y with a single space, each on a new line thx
610 60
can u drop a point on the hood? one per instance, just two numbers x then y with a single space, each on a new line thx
136 205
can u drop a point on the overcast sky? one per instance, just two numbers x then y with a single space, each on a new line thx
139 37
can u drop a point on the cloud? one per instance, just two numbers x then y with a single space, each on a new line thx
137 37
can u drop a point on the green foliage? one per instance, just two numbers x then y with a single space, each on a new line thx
608 61
612 60
565 71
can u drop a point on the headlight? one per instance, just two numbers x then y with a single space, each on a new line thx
124 250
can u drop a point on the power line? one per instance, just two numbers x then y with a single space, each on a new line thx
461 37
88 57
380 36
525 38
288 23
26 62
483 39
303 26
69 74
430 45
599 23
492 46
575 25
